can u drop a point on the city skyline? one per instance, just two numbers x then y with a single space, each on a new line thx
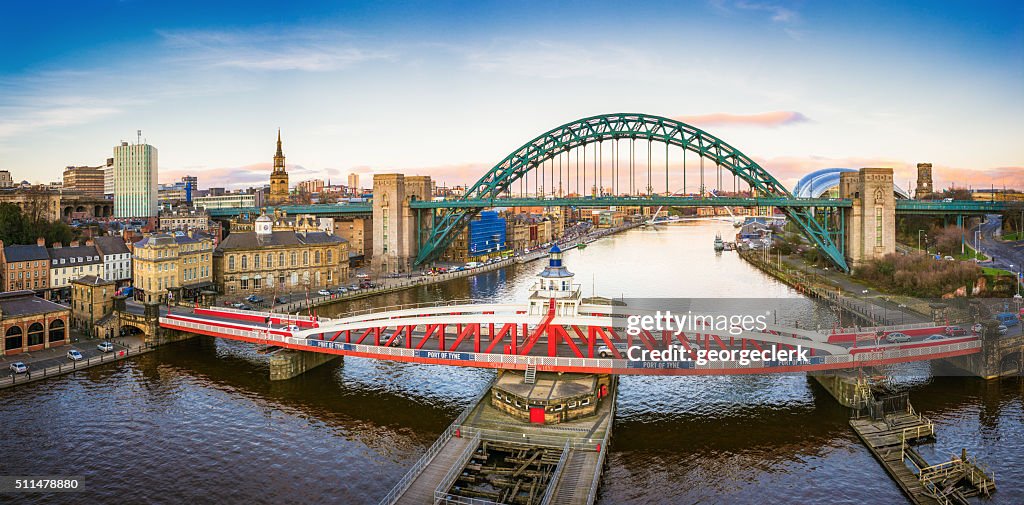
368 90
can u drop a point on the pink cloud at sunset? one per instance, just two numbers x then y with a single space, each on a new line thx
765 119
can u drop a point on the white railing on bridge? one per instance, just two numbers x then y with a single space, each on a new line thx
555 475
884 329
522 361
441 491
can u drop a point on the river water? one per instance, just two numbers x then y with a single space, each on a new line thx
199 422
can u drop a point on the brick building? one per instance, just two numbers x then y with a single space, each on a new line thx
29 323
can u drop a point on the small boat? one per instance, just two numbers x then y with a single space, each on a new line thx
719 244
581 246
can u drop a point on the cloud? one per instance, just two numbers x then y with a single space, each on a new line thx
777 13
309 51
766 119
15 120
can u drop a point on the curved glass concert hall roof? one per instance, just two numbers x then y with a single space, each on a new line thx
819 182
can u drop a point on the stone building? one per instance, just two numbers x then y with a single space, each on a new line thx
35 204
29 323
87 180
396 230
178 264
185 219
359 234
24 267
92 299
268 260
871 222
924 181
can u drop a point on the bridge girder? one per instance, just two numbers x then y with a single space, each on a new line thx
598 128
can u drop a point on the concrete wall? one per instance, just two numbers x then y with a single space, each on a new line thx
287 364
394 223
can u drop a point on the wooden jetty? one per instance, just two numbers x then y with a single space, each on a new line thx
890 438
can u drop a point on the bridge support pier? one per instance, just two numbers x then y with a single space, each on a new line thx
287 364
869 228
841 384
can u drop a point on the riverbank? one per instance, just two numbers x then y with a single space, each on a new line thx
838 289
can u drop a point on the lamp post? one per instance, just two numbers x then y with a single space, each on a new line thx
977 250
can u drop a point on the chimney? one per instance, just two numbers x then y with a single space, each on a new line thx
89 243
74 243
41 242
56 245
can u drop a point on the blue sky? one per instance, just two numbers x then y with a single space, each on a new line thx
448 89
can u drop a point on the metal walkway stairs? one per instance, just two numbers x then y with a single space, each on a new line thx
531 374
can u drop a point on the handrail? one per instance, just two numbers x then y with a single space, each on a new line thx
592 494
414 472
453 473
555 475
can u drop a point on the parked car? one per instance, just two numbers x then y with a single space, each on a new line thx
340 290
18 367
897 338
977 328
932 338
398 342
291 327
353 287
1007 318
323 292
955 331
238 305
1003 329
280 299
74 355
245 307
254 299
105 347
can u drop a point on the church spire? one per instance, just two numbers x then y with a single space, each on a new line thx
279 153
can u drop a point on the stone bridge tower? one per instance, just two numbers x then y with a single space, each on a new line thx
398 229
870 226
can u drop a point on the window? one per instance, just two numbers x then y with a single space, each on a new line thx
270 260
245 262
305 257
316 257
231 262
878 227
293 258
255 260
35 334
56 330
245 284
12 339
329 255
280 259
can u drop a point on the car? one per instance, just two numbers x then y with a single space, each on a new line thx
397 342
955 331
932 338
977 328
238 305
340 290
353 287
1003 329
105 347
897 338
606 352
18 367
291 327
254 299
323 292
74 355
280 299
245 307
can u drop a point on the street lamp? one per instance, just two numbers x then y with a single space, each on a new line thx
977 250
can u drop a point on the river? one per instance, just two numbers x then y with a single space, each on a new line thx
198 421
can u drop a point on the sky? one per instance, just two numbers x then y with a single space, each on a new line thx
448 89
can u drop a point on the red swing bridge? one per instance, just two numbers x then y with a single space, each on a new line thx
557 330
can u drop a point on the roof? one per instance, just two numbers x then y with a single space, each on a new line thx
158 239
85 251
26 303
92 280
16 253
249 239
819 182
555 249
110 244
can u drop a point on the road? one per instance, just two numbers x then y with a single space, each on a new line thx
38 360
1004 254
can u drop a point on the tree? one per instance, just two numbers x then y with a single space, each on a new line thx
12 224
17 228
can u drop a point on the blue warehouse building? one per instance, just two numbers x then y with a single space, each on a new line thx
487 234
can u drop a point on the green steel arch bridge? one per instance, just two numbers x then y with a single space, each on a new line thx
582 164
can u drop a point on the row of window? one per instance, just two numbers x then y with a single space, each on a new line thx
28 284
13 337
79 258
329 255
574 404
21 265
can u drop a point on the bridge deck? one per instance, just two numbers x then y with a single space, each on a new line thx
885 440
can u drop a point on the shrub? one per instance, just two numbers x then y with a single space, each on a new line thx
918 275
